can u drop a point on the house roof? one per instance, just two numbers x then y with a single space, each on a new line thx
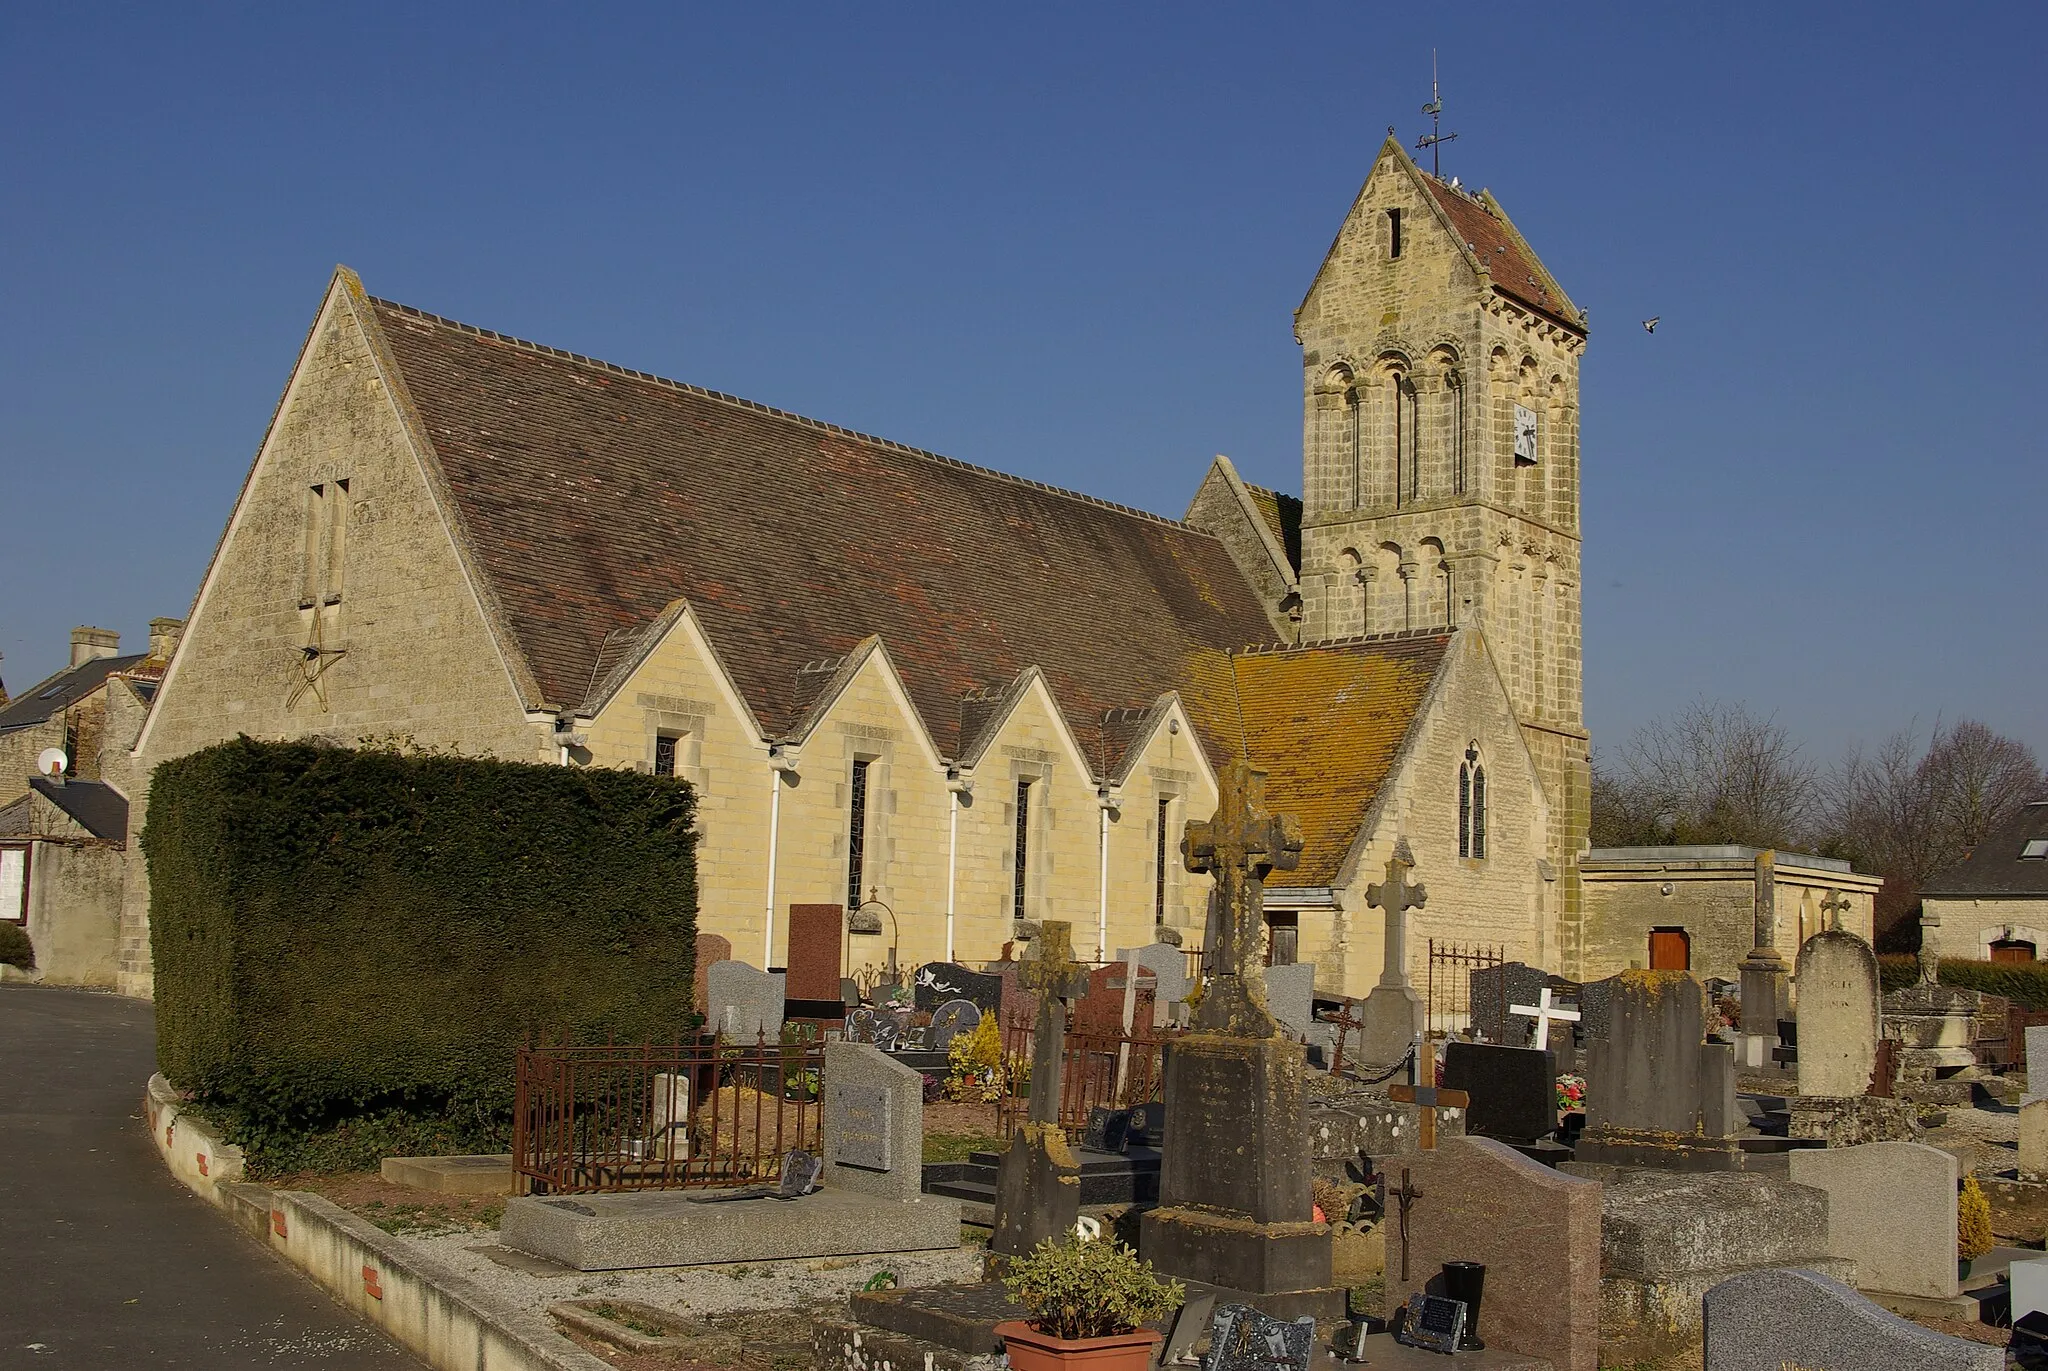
1327 724
53 695
1998 865
1515 269
97 807
593 497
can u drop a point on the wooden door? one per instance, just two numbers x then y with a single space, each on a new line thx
2011 951
1670 950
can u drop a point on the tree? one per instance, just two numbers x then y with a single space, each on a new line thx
1712 773
1906 813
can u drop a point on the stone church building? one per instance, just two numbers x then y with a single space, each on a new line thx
895 676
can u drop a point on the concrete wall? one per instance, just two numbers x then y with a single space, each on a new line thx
1969 926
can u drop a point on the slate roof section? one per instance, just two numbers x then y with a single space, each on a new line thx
1327 724
1514 268
100 808
1996 868
593 497
50 697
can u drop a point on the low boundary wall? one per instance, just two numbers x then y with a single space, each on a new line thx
432 1310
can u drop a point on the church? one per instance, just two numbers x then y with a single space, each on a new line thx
956 701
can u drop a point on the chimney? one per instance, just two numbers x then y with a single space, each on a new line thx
163 639
88 644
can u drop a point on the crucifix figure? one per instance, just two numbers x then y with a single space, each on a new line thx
1239 846
1057 978
1429 1099
1834 906
1397 897
1405 1196
1543 1014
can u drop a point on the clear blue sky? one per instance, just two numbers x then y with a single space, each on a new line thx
1067 243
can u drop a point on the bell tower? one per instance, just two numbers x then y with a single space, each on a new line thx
1440 459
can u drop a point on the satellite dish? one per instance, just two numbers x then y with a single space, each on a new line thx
51 761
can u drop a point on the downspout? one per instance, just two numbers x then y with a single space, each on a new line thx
1106 800
781 761
959 785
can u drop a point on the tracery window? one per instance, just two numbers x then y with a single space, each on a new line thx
1472 807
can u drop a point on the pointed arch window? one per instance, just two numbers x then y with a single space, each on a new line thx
1472 807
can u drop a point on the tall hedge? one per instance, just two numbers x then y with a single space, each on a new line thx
345 934
2024 983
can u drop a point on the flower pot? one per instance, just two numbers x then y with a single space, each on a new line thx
1031 1350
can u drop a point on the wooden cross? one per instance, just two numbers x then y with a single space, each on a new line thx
1431 1098
1240 845
1405 1196
1835 906
1396 897
1543 1014
1057 978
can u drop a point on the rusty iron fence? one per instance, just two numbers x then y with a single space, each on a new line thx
1448 982
1106 1070
654 1117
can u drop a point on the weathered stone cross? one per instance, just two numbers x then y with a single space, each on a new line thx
1835 906
1057 978
1543 1014
1429 1098
1396 897
1239 846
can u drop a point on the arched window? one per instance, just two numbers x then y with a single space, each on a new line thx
1472 807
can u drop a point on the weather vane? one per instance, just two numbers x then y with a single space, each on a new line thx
1434 139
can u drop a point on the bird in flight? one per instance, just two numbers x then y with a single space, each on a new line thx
1650 325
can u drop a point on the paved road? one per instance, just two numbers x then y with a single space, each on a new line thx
107 1262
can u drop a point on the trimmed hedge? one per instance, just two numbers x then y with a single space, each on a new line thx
15 947
352 943
2024 983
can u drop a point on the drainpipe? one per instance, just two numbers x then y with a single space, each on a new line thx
959 785
781 760
1106 798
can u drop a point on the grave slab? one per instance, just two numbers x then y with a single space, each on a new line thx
1513 1089
1892 1211
483 1174
1769 1320
1494 988
815 936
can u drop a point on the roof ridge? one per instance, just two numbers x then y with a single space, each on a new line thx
1348 640
705 392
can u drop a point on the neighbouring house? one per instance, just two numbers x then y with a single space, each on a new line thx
895 676
1993 905
1693 908
64 833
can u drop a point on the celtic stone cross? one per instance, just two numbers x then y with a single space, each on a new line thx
1057 978
1239 847
1396 897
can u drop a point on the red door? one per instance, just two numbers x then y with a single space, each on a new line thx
1670 950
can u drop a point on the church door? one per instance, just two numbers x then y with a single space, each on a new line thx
1283 939
1670 950
2007 950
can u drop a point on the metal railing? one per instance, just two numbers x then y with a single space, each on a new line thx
1106 1070
653 1117
1448 997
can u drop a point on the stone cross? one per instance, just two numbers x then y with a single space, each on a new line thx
1429 1099
1542 1013
1397 897
1057 978
1835 906
1239 847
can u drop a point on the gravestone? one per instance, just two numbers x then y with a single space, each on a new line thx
1764 997
1838 1014
1148 1124
939 983
814 961
1100 1012
1493 989
1169 968
1108 1130
1038 1180
952 1019
2037 1075
1290 994
2033 1160
1596 1006
874 1123
1392 1015
1657 1093
2028 1282
1019 1003
1513 1090
1234 1206
1891 1210
1770 1320
1243 1339
1536 1230
711 949
744 1004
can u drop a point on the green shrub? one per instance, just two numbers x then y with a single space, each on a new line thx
2024 983
1076 1289
1897 972
349 945
15 948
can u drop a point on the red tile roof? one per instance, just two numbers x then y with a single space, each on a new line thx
1502 252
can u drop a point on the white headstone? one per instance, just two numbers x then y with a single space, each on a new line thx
742 1003
1891 1210
1170 965
1838 1015
1290 996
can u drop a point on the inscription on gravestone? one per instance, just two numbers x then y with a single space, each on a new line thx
864 1116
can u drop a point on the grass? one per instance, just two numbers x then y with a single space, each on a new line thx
955 1147
426 1220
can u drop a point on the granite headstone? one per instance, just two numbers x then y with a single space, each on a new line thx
938 983
1169 967
814 942
874 1123
743 1003
1769 1320
1290 996
1658 1093
1513 1089
1493 989
1891 1210
1100 1013
711 949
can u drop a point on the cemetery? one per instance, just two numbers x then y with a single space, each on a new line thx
1219 1167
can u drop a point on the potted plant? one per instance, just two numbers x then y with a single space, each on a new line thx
1088 1301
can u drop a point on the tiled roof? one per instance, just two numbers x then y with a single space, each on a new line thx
1327 723
99 807
593 497
1282 514
48 698
1997 866
1502 252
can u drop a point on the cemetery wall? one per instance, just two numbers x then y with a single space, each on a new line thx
1714 900
74 912
1969 927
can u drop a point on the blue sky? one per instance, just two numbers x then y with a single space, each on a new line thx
1067 242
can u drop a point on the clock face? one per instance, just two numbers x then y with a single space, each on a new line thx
1525 435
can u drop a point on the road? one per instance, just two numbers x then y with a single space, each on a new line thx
105 1260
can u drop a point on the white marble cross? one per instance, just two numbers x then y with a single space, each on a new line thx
1543 1014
